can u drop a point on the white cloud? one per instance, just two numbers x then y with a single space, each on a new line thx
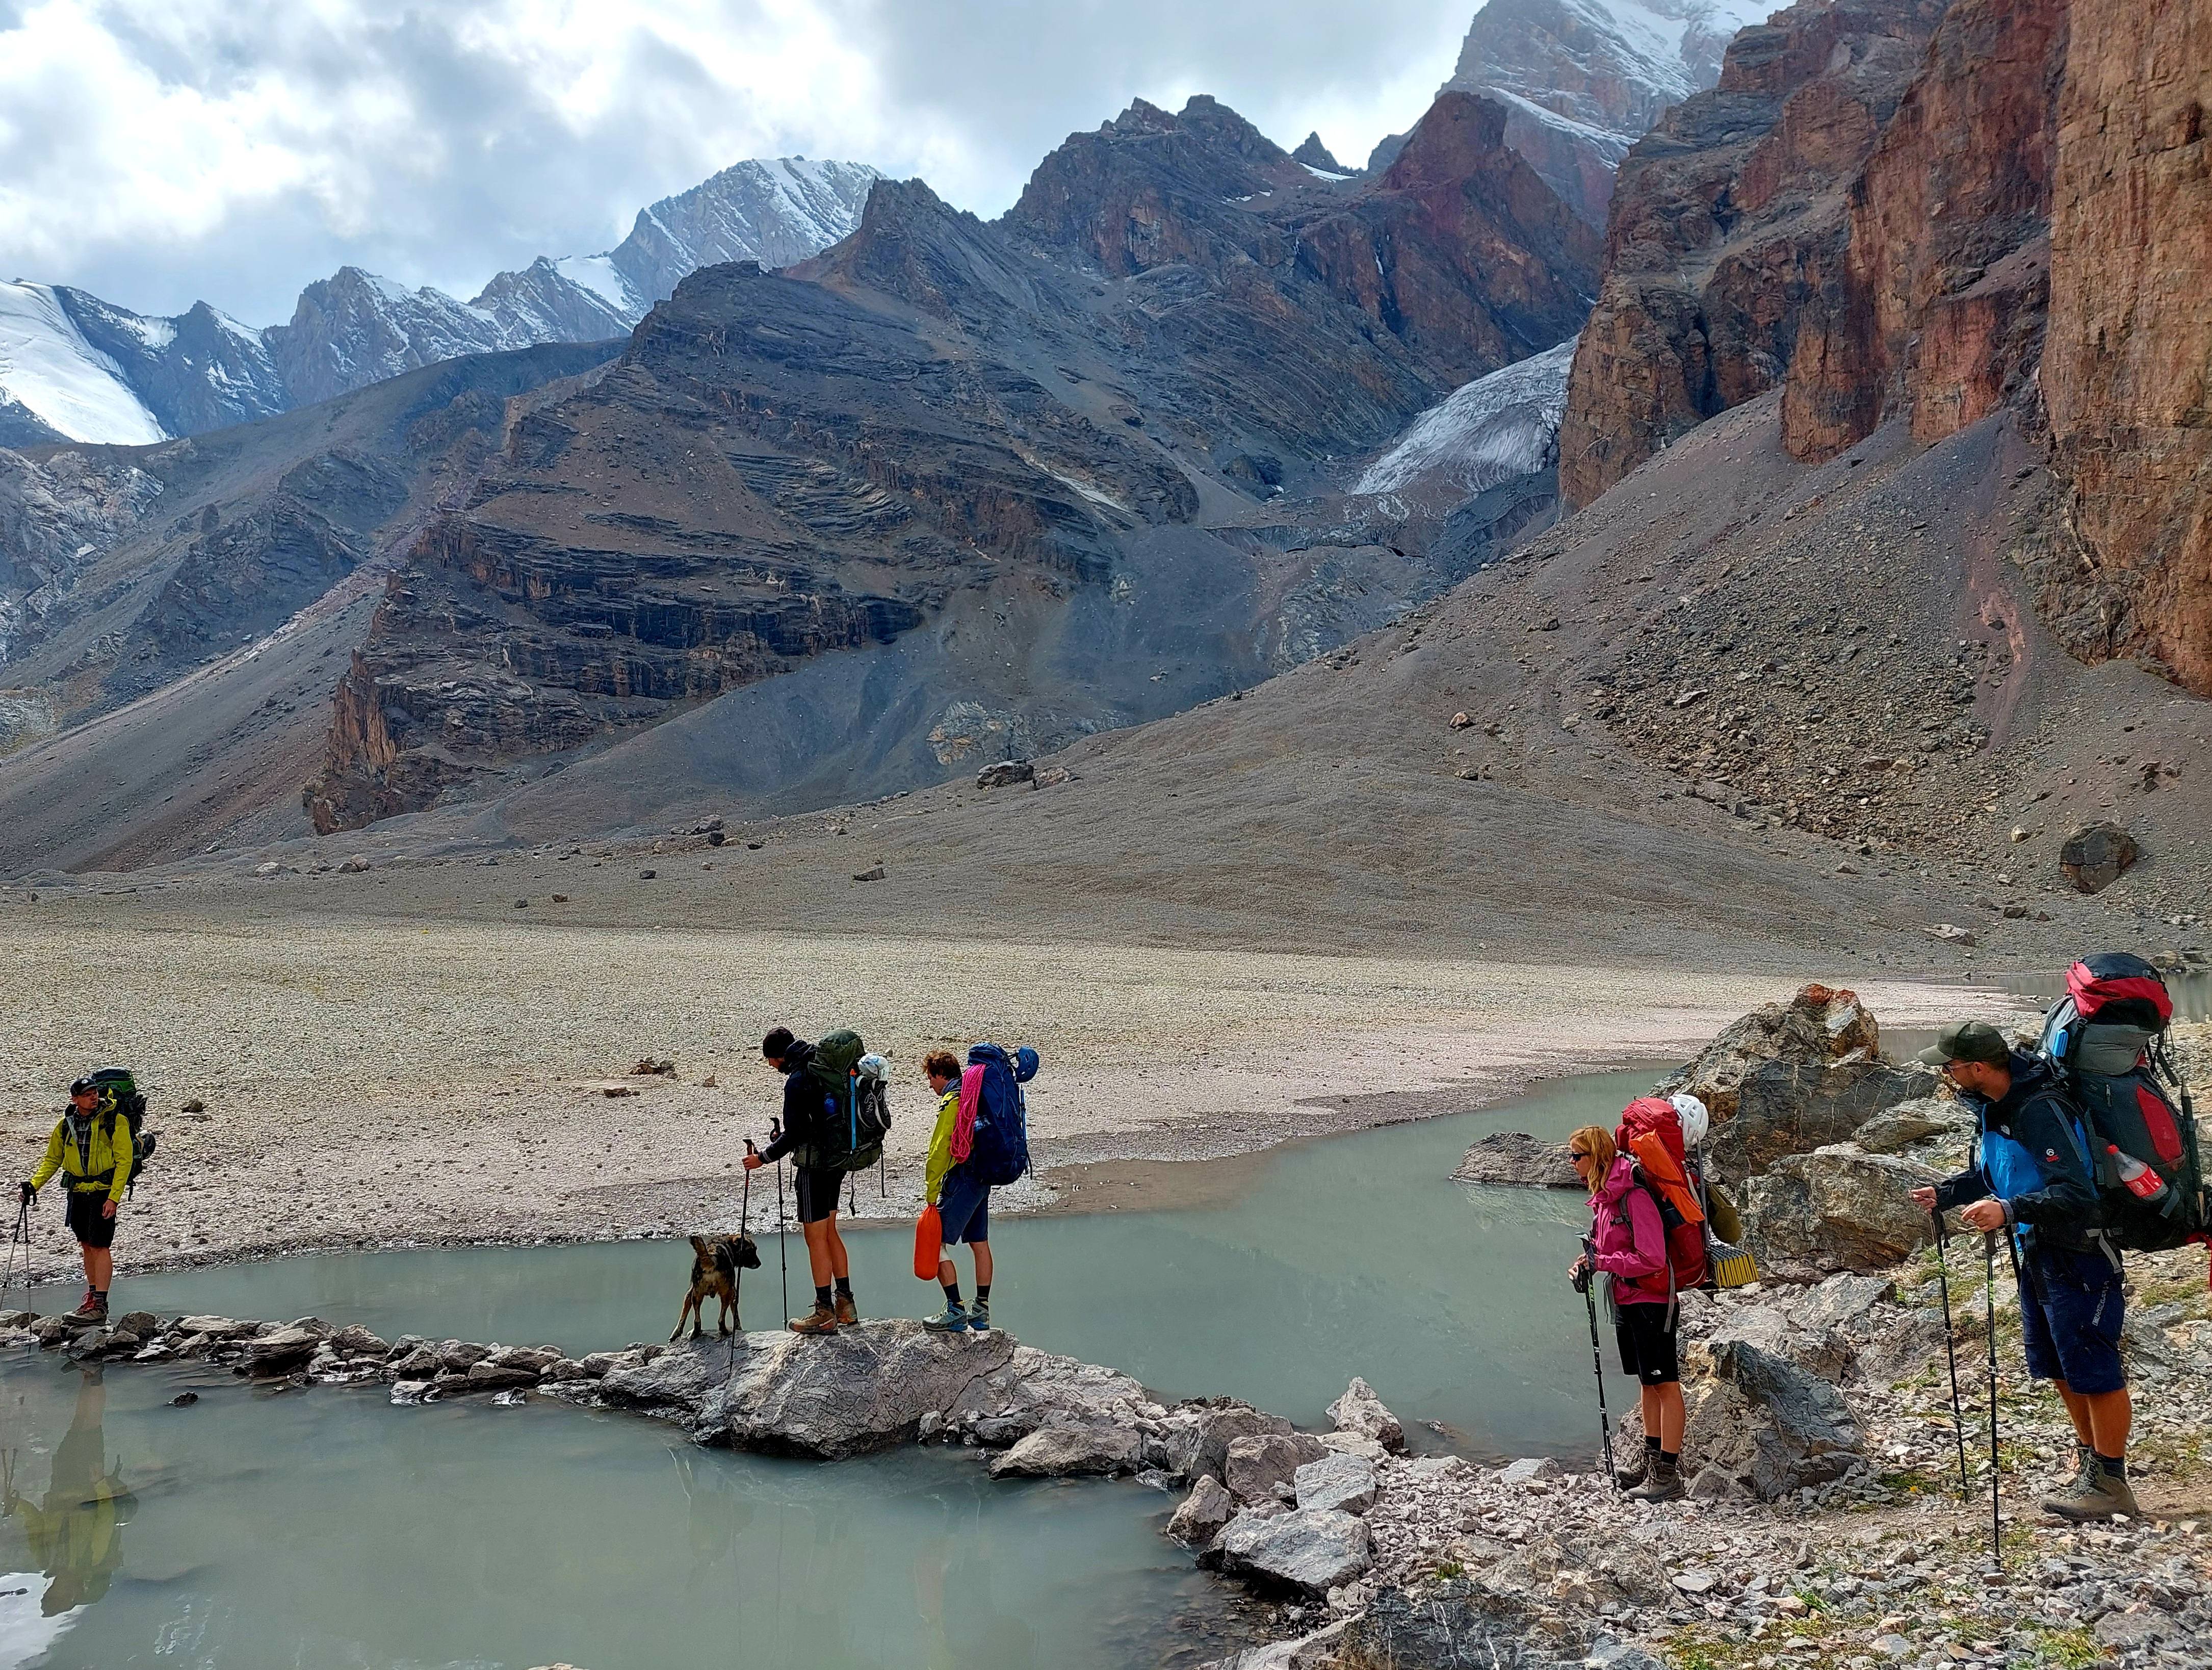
157 152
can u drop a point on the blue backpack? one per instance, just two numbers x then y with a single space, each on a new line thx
999 1151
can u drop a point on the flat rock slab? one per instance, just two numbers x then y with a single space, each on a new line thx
1520 1160
1344 1482
846 1393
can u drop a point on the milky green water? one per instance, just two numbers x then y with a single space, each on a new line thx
327 1527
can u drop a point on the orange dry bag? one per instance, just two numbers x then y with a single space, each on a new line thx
928 1245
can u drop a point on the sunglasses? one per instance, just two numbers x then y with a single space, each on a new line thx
1579 1154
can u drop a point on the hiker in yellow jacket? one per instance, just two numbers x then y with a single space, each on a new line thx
972 1223
91 1147
77 1536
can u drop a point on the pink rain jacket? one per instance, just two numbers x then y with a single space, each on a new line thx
1632 1241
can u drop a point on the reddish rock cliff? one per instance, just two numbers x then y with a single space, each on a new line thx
1730 220
1938 304
2129 355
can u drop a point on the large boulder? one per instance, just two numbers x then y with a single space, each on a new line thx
846 1393
1768 1424
1064 1449
2096 855
1198 1520
674 1379
1255 1464
1347 1481
1520 1160
1837 1208
1789 1077
1202 1432
1314 1549
1361 1413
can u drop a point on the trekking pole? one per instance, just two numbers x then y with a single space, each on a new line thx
1597 1361
1989 1324
20 1237
737 1277
782 1240
1951 1348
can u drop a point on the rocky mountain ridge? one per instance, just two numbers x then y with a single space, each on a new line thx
75 367
974 454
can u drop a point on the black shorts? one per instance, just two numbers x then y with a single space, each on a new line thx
88 1222
1647 1343
816 1192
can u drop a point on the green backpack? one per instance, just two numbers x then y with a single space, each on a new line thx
121 1101
849 1135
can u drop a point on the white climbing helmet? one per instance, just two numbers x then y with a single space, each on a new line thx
1695 1117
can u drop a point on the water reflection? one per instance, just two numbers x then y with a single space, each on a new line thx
75 1534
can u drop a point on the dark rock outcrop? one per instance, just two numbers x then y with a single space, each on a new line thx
1939 308
1788 1078
2129 350
1837 1208
1728 218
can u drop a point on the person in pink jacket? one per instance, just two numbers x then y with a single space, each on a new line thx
1628 1243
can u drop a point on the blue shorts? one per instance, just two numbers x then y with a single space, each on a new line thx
2071 1305
963 1208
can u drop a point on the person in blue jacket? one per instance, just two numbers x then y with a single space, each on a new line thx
2031 1176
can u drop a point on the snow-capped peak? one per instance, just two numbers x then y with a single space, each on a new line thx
47 368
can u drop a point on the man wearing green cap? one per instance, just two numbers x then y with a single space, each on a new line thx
2031 1175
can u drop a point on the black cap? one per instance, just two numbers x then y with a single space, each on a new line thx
1970 1040
82 1086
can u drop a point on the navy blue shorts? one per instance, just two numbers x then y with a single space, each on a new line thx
963 1208
2071 1305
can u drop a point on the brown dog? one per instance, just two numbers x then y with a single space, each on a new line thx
715 1262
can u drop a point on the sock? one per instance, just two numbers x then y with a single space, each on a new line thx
953 1293
1670 1459
1651 1448
2115 1466
822 1297
844 1286
983 1291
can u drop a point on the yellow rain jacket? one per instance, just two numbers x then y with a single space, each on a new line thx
940 1143
102 1163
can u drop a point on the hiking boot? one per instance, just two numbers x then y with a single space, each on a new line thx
93 1309
1637 1471
951 1319
848 1315
2095 1495
1665 1485
822 1319
979 1316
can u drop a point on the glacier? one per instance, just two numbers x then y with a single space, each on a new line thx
1487 432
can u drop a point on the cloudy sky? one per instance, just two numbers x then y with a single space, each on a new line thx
156 152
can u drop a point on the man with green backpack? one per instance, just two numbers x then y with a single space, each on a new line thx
98 1146
835 1119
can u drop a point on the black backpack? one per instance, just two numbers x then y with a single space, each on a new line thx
856 1116
121 1103
2106 1040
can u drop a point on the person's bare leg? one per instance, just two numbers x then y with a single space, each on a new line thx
1672 1416
947 1275
982 1249
2110 1415
839 1264
819 1254
2077 1411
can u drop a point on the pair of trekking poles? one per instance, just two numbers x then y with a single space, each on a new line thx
782 1239
1951 1355
1589 1285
